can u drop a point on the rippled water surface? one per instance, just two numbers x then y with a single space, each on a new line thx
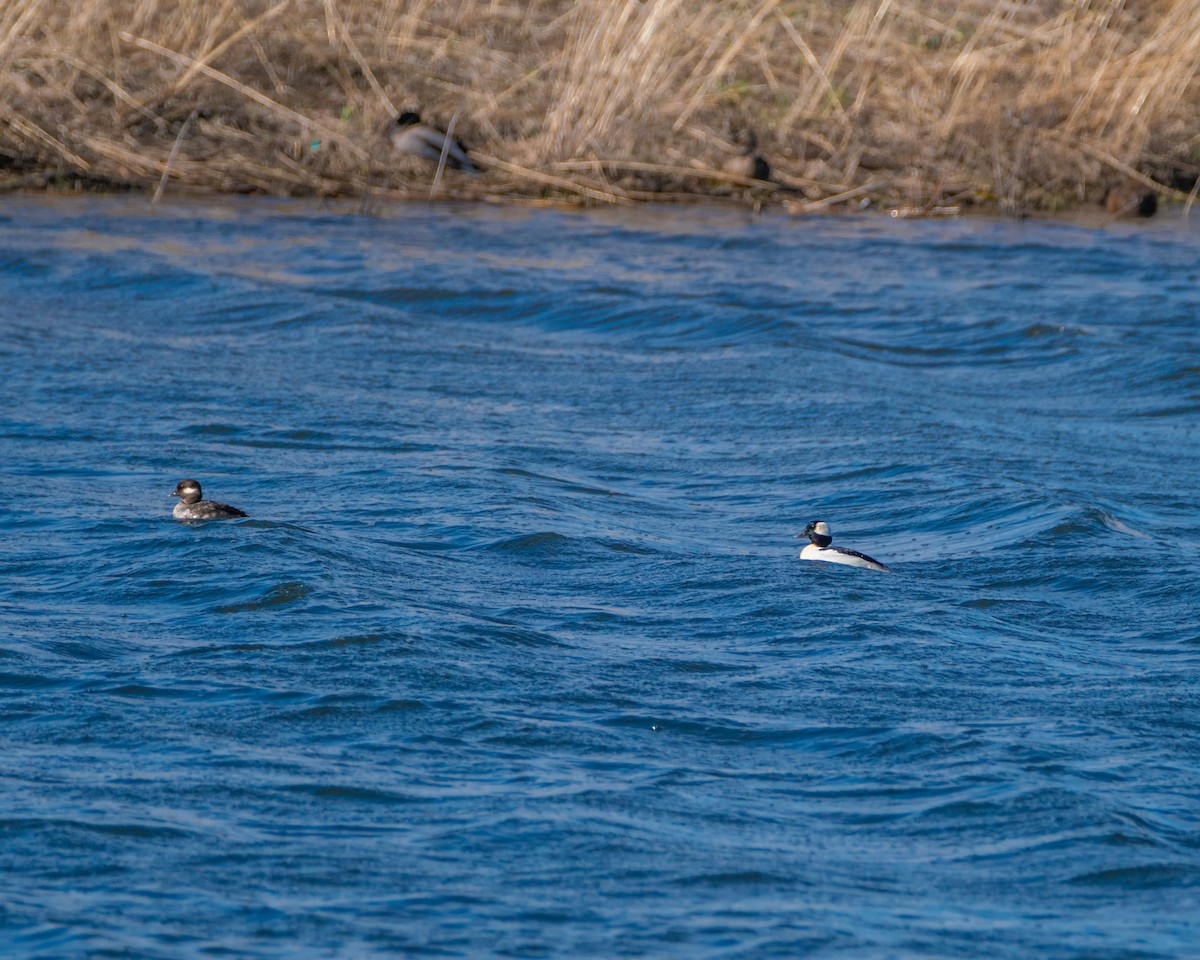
515 656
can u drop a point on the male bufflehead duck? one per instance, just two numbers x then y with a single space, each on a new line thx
820 549
426 141
191 507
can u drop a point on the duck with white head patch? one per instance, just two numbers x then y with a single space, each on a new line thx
821 547
191 507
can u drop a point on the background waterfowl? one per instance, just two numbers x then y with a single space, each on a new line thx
1126 197
416 138
749 163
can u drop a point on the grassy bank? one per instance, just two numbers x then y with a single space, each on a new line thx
1020 104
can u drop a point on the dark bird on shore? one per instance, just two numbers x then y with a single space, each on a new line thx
750 163
416 138
191 507
1126 197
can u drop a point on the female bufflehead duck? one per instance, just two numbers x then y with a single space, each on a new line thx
191 507
820 549
424 140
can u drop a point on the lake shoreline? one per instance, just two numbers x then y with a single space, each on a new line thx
378 202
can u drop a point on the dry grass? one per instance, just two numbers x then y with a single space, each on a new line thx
1021 103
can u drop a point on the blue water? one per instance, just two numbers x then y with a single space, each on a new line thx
515 656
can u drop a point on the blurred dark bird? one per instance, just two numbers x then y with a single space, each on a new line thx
418 139
750 163
1126 197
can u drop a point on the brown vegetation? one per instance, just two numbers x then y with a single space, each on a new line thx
1017 103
